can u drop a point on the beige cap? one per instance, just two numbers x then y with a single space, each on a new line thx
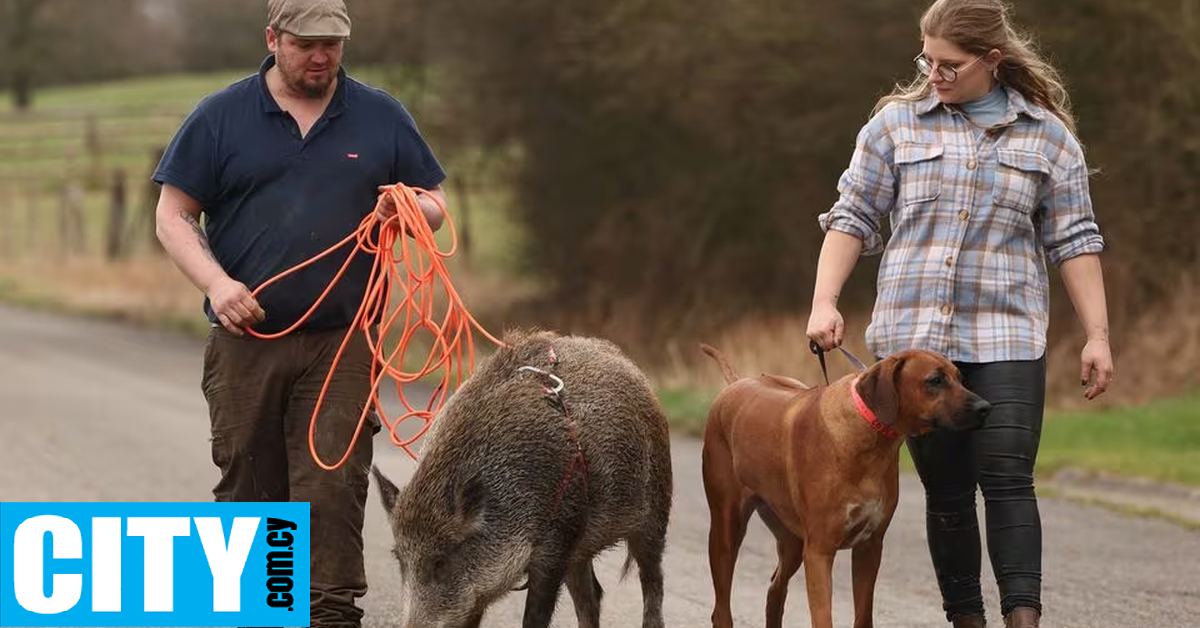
317 19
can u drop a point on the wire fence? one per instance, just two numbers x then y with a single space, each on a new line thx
76 182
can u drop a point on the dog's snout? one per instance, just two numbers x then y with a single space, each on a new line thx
981 409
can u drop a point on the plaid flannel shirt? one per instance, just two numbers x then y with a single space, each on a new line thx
974 214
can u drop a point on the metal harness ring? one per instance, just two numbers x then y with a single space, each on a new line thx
558 383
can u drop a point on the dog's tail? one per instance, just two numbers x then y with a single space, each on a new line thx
731 376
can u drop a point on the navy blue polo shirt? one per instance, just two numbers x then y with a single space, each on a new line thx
273 199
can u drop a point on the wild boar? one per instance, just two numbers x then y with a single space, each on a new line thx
523 482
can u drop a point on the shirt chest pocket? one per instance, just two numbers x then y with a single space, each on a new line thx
1019 178
919 168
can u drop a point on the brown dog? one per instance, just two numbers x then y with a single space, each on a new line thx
820 466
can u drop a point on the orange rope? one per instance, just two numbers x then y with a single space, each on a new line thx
424 266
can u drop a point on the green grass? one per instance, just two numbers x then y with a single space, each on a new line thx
143 94
686 409
1158 441
175 92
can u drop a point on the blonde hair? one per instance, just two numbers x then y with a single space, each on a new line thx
979 26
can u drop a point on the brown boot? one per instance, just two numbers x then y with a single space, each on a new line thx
968 621
1022 617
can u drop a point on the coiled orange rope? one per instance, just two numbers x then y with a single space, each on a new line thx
424 268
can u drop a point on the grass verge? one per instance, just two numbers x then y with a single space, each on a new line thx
1157 441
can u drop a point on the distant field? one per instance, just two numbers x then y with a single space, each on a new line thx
119 122
72 130
80 136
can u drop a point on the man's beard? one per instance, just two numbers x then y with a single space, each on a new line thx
310 89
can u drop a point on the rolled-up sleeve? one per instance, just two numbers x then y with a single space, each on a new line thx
1069 226
867 189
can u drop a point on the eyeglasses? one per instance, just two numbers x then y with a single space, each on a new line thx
948 72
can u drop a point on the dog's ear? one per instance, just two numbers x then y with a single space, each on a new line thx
880 389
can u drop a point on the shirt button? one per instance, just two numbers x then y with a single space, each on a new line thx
946 310
964 214
949 260
971 165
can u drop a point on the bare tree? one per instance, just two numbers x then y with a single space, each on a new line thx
22 33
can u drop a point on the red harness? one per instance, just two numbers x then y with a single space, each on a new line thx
577 463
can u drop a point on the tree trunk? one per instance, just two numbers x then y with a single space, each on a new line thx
22 56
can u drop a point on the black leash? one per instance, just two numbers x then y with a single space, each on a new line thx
820 353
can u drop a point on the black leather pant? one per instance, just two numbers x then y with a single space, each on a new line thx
999 459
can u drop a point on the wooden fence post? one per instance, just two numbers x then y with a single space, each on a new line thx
115 248
32 219
8 223
94 150
70 219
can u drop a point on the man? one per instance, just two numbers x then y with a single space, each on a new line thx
284 164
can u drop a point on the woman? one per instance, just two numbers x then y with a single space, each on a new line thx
978 169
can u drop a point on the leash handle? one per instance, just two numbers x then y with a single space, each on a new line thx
820 353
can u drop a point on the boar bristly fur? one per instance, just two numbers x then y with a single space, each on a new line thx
494 504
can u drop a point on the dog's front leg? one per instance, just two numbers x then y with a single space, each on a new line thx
818 573
865 570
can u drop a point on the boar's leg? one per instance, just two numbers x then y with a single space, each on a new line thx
544 584
585 592
647 549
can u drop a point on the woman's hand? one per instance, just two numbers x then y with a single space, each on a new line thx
1096 367
825 326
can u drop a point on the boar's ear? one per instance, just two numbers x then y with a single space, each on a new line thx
470 502
387 490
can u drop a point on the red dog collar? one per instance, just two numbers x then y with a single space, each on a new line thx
868 415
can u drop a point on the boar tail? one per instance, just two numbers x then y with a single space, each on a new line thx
731 376
627 566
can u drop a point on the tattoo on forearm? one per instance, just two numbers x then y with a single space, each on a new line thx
199 231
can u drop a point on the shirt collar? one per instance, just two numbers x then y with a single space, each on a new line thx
336 105
1017 104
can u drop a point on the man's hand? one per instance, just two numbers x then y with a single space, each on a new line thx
234 306
387 205
427 201
1096 367
429 207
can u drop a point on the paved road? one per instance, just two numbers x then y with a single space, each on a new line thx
98 412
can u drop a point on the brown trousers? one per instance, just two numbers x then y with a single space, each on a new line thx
261 395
